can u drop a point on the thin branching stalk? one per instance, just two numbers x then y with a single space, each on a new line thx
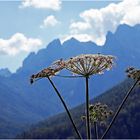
67 110
96 130
87 110
119 108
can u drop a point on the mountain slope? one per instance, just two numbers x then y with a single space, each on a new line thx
126 126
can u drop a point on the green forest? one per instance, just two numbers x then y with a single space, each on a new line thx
126 125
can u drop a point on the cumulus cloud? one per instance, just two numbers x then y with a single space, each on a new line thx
80 26
42 4
95 23
49 21
19 43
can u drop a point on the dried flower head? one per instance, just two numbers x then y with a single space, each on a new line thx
99 113
50 71
89 64
133 73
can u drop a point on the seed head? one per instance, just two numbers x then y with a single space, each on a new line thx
89 64
133 73
56 67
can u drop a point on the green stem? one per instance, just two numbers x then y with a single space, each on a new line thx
96 130
87 110
67 110
119 109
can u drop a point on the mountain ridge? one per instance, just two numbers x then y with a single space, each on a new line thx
5 72
36 99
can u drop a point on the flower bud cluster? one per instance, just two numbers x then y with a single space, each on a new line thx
99 113
133 73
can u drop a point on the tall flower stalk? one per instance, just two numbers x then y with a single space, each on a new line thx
88 65
49 72
96 130
134 74
65 106
87 110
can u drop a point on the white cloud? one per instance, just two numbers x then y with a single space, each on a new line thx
95 23
80 26
19 43
42 4
49 21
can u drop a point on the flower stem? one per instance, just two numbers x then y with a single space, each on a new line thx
119 108
87 110
96 130
67 110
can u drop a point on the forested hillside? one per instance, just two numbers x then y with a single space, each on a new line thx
126 125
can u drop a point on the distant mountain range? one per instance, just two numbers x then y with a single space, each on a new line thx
126 125
22 102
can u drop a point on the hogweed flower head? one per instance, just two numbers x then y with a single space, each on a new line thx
133 73
56 67
99 113
89 64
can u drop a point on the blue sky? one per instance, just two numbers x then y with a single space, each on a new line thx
27 26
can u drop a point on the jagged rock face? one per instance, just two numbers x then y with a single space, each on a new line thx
5 72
